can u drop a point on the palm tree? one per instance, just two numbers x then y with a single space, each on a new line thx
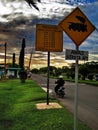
33 3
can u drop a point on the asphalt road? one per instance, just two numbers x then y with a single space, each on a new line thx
87 99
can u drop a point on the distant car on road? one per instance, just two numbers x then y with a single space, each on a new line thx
96 77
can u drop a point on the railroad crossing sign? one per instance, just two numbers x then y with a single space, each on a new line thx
77 26
49 38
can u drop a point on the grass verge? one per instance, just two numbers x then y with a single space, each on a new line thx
89 82
18 109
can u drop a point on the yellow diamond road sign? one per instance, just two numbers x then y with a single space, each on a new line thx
77 26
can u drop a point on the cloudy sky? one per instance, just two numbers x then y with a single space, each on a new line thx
18 21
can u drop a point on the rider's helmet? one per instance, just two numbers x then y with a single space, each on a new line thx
60 76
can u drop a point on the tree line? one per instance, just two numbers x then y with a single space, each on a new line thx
86 70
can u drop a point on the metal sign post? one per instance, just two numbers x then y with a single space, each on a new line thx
76 92
48 73
49 38
77 24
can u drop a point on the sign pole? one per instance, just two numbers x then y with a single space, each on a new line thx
76 92
71 26
48 73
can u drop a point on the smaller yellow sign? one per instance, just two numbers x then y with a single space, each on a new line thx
77 26
49 38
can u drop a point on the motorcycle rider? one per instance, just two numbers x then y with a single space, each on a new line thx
60 82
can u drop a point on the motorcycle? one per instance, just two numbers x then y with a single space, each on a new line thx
61 92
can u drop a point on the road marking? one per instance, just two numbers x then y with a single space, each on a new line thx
45 89
49 84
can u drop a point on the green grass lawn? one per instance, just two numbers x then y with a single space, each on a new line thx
18 109
89 82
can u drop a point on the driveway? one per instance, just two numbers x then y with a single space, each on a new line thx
87 99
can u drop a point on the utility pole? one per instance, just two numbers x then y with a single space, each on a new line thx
5 56
31 56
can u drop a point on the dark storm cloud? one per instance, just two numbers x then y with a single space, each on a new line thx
24 27
20 22
14 23
13 16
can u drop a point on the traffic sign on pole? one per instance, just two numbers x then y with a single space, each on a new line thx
49 38
73 54
77 26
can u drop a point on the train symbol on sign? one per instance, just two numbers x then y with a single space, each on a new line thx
80 26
